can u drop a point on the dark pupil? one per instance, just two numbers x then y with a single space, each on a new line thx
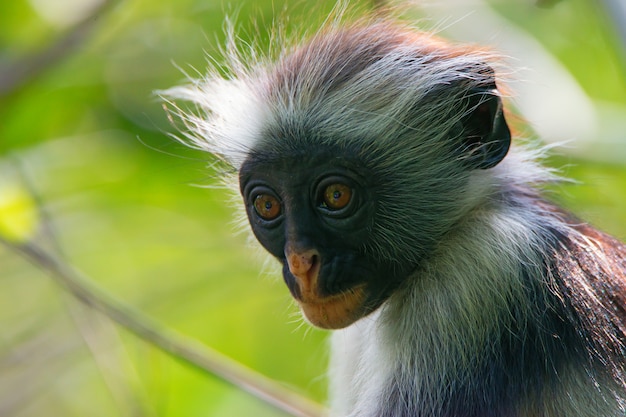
337 195
268 205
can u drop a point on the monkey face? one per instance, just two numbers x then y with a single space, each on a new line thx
315 215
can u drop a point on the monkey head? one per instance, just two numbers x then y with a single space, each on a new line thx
364 161
355 153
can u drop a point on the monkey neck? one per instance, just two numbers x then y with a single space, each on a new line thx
476 301
472 333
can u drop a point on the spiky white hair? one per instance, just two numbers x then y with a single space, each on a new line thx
359 78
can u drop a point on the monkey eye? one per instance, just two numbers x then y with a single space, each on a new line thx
336 196
267 206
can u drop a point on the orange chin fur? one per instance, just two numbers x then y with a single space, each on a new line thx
335 312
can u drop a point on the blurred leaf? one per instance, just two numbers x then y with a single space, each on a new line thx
18 213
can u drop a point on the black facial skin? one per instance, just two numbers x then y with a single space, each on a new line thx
305 222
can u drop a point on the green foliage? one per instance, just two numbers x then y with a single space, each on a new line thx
581 35
84 137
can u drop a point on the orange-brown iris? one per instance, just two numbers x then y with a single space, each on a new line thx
267 206
337 196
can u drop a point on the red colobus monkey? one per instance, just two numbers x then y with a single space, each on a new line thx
371 162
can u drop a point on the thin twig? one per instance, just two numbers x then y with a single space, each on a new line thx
84 318
189 351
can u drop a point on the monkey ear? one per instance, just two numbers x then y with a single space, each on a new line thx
486 135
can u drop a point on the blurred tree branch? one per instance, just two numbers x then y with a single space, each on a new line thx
180 347
98 333
15 75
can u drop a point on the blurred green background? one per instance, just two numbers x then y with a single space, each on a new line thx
83 137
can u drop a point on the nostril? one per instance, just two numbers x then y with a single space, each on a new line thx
314 269
300 264
304 265
304 268
314 260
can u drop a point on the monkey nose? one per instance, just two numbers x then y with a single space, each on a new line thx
304 266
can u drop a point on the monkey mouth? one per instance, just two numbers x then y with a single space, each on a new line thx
336 311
